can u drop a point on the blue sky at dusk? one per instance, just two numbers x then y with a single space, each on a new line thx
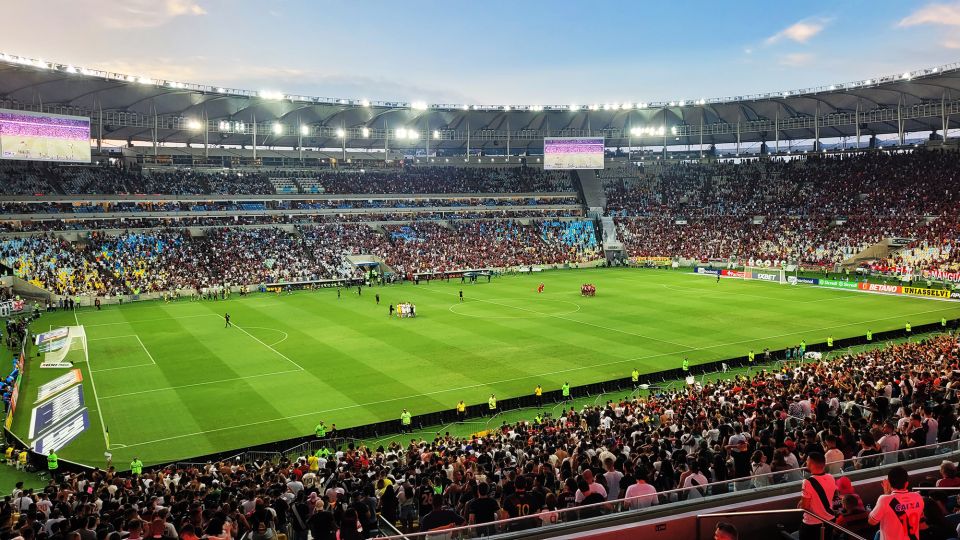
492 52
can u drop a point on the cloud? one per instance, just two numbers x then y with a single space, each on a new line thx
941 14
796 59
800 32
145 13
951 44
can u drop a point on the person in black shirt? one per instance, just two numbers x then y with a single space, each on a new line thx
483 509
440 517
520 504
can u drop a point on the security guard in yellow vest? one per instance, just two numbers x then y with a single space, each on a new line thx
136 466
52 462
829 342
869 336
635 376
492 404
461 411
538 394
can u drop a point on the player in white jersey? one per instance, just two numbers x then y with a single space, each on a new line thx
898 510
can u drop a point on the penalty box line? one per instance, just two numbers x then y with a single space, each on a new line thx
468 387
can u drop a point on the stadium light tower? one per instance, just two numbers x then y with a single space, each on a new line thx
365 132
277 128
304 130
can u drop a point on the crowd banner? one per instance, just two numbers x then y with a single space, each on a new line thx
11 307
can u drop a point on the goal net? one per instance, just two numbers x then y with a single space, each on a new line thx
63 346
773 275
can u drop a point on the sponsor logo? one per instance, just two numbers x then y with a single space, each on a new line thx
836 284
880 287
766 277
733 273
955 295
935 293
810 281
709 271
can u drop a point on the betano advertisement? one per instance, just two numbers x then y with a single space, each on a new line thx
883 288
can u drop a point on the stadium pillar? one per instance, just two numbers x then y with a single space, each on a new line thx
156 123
900 120
508 140
816 128
738 130
206 136
426 137
99 126
776 128
703 111
343 144
386 143
254 132
300 139
944 117
856 118
468 140
664 133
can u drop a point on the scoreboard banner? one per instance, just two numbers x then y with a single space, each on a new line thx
52 412
564 153
26 135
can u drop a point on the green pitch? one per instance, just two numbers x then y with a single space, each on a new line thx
170 382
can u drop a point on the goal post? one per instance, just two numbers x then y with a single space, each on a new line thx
63 349
762 273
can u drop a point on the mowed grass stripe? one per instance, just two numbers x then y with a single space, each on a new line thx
362 367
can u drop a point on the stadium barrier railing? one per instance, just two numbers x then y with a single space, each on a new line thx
828 525
552 398
679 497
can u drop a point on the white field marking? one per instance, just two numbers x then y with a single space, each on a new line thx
154 320
110 337
150 356
255 338
285 335
611 329
124 367
140 341
166 388
473 386
93 385
451 310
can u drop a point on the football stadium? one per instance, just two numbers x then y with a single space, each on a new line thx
435 308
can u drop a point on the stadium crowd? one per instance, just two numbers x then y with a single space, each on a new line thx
174 259
746 432
35 178
816 211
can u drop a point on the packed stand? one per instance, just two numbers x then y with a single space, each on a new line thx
743 433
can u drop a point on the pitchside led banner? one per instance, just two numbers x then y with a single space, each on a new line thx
572 153
44 137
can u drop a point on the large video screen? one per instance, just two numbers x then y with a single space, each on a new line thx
573 152
44 137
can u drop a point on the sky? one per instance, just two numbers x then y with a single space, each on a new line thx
535 52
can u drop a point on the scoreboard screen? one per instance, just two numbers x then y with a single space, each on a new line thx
572 153
26 135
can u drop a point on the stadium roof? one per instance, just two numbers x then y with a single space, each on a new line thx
136 108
